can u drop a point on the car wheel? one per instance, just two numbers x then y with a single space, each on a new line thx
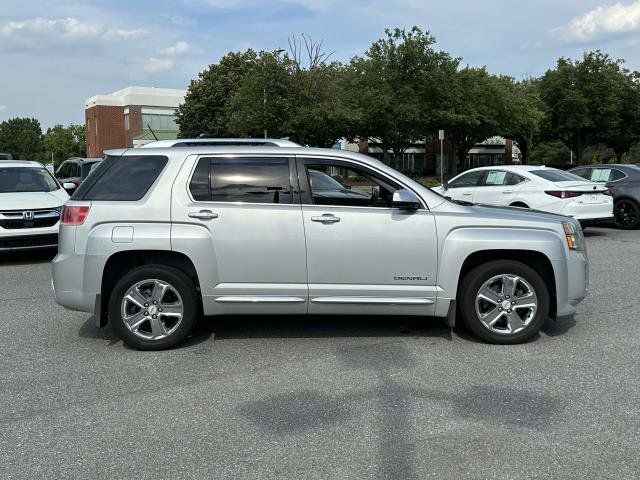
504 302
627 214
153 307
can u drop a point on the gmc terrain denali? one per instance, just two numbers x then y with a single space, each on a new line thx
158 236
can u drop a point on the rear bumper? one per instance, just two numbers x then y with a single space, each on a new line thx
589 211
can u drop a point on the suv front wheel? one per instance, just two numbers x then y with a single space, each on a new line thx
504 301
153 307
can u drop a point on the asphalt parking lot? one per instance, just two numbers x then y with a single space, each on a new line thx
347 398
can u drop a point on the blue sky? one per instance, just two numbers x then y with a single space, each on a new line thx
55 54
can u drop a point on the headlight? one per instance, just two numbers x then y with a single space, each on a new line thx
573 235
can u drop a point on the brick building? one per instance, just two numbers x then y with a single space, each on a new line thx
126 118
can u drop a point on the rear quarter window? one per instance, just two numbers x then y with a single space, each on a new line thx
125 178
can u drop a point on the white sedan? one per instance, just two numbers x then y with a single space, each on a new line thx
530 186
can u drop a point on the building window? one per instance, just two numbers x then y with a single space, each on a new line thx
126 121
159 122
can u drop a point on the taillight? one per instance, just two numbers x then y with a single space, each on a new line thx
563 194
74 215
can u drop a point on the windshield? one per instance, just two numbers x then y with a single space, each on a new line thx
26 179
554 175
322 181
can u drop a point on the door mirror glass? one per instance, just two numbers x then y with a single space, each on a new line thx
405 200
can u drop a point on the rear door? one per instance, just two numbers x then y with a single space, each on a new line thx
250 206
498 187
363 256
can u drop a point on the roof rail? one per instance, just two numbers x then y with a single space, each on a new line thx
212 142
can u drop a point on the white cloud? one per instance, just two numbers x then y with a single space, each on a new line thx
3 108
41 33
318 5
179 48
155 65
605 19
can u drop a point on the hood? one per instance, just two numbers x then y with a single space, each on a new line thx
488 214
32 200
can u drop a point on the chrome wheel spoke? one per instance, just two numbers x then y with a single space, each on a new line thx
490 318
514 322
157 328
174 310
159 289
489 295
136 297
134 321
509 285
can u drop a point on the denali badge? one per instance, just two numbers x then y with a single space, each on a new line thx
410 279
28 215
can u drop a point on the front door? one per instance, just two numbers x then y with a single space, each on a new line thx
463 187
362 255
256 258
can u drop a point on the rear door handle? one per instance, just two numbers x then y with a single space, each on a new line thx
203 215
326 218
467 193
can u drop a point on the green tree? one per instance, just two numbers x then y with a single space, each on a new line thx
399 88
591 100
22 137
62 142
206 107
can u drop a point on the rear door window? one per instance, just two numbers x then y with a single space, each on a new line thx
495 178
125 178
245 179
606 175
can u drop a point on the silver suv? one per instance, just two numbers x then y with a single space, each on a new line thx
158 236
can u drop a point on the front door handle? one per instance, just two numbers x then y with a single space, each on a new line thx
467 193
326 218
507 191
203 215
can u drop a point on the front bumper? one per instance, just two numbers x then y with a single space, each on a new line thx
572 283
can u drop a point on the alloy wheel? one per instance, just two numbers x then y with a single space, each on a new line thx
152 309
506 304
625 213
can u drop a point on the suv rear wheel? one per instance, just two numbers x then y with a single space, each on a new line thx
504 301
153 307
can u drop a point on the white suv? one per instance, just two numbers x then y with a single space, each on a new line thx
30 204
157 236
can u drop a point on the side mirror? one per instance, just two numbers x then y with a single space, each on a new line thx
69 186
445 185
405 200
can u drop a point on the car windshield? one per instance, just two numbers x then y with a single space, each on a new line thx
554 175
322 181
26 179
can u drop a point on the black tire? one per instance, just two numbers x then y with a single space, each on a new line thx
519 205
627 214
190 303
475 279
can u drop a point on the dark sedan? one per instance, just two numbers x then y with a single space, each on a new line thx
328 191
624 183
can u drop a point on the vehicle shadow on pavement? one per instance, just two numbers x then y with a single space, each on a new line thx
25 257
315 326
394 405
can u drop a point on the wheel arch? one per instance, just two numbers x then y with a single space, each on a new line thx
122 262
536 260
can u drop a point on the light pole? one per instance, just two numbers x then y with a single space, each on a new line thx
276 53
441 137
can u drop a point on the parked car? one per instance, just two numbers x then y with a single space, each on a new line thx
623 181
159 235
75 170
536 187
30 205
6 156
